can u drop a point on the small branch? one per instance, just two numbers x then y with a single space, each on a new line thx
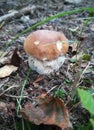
16 86
14 96
83 74
74 106
51 89
79 80
15 13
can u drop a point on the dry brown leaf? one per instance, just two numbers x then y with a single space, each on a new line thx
4 58
48 111
16 59
7 70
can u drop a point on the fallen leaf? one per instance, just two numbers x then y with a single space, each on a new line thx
16 59
7 70
48 111
4 57
5 60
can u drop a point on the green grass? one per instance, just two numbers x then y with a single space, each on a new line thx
25 125
22 89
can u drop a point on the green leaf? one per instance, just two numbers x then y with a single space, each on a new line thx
67 81
72 60
91 91
59 93
87 100
86 57
92 122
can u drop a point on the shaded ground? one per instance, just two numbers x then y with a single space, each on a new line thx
67 74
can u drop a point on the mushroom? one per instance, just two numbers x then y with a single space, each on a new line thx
46 50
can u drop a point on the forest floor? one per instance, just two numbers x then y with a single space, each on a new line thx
66 79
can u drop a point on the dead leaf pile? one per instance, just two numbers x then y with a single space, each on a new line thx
8 69
48 111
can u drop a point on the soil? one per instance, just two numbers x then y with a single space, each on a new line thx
67 76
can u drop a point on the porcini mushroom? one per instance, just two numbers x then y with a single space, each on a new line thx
46 50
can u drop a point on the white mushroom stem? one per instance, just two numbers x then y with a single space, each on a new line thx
45 67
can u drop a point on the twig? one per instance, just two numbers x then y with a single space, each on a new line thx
13 96
22 89
16 86
83 74
78 82
1 25
51 89
16 13
74 106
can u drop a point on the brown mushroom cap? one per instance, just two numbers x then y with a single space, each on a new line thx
46 45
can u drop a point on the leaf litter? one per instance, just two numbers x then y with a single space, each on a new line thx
69 71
